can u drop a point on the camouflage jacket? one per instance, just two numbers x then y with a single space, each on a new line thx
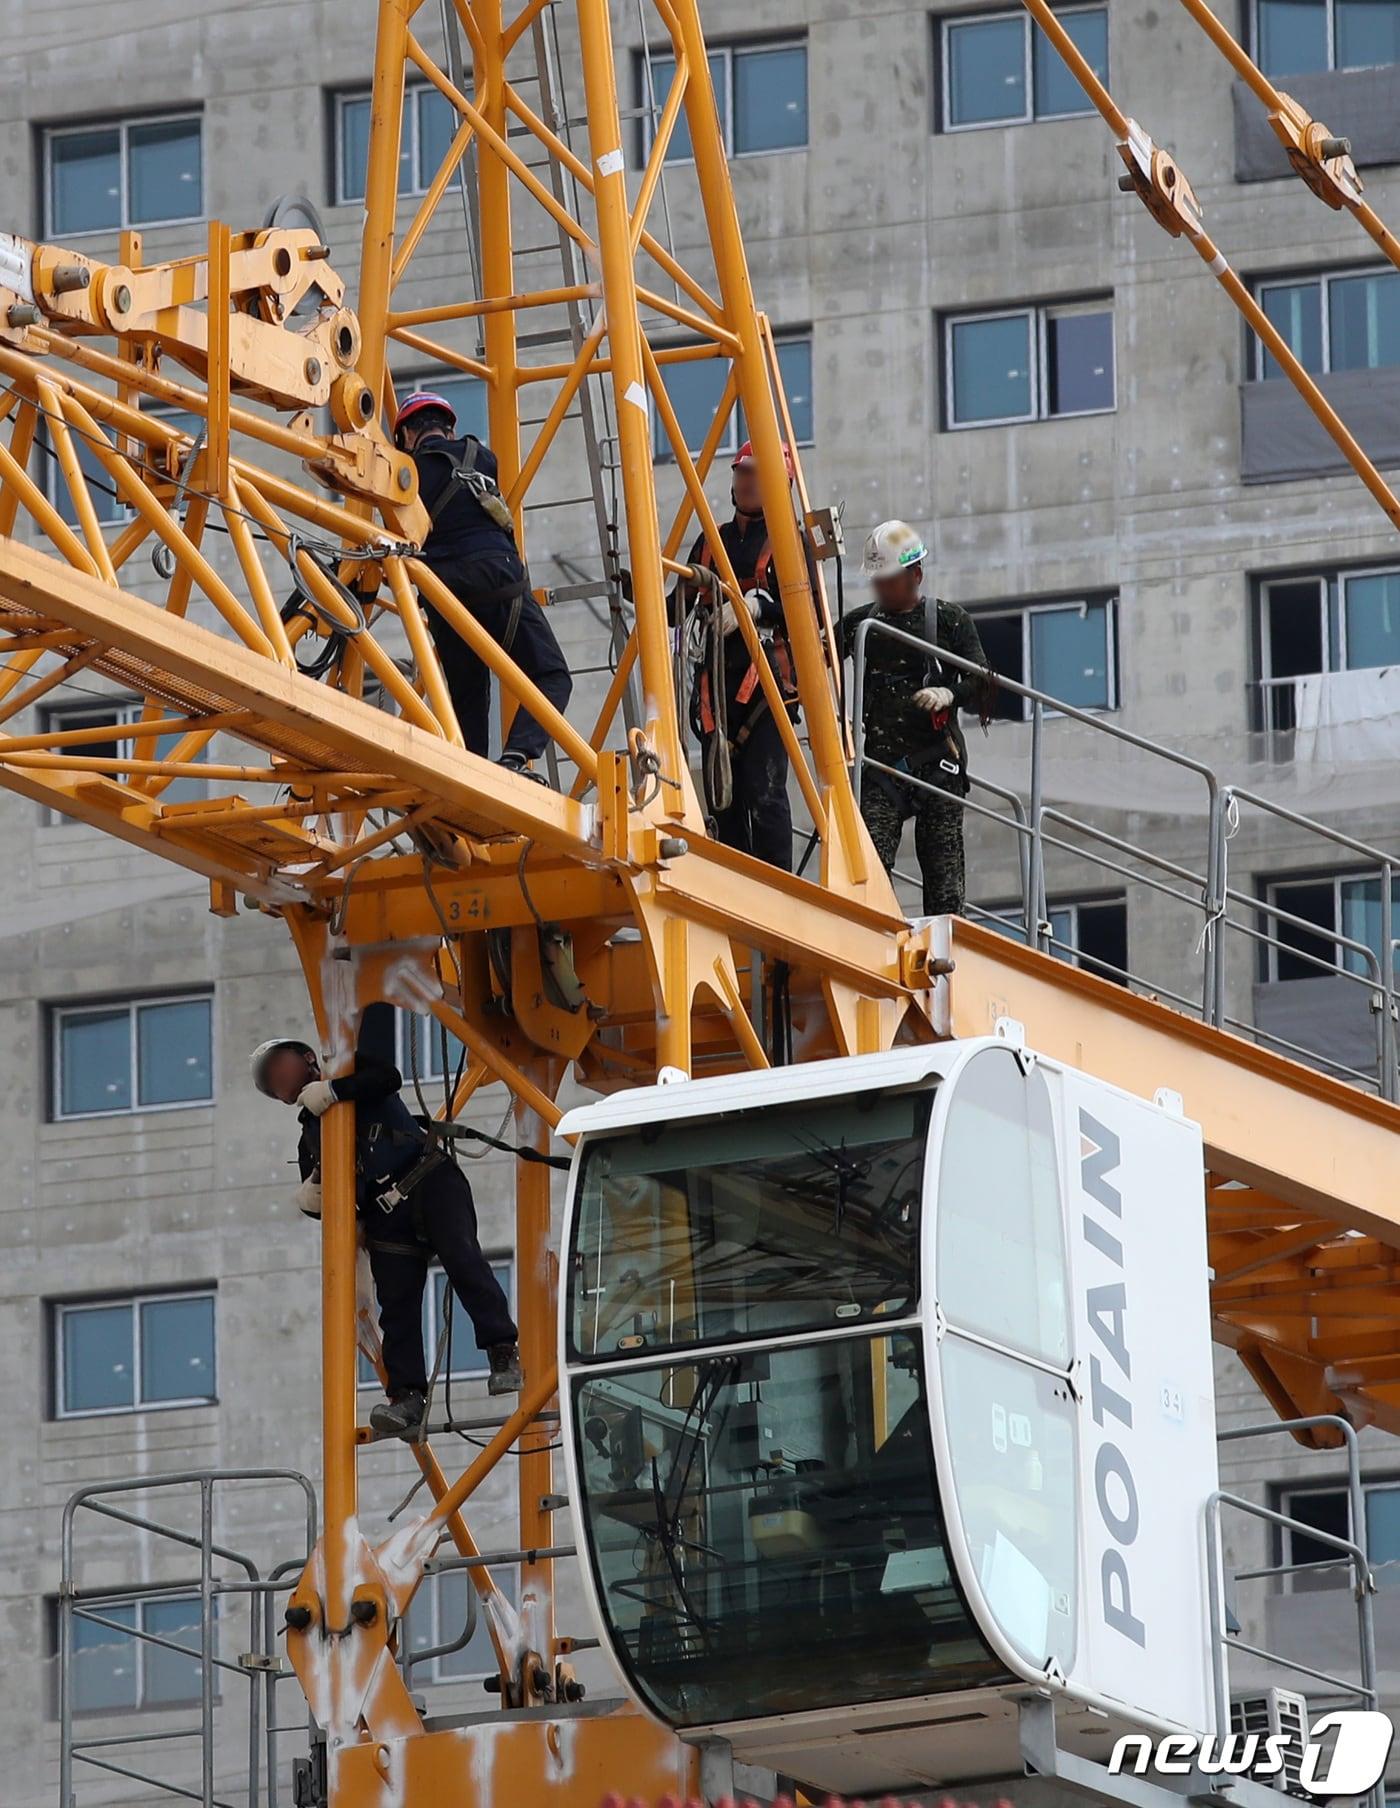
895 729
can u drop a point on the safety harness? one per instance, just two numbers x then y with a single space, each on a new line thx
944 723
711 683
467 476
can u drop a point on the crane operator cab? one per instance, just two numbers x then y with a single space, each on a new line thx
889 1404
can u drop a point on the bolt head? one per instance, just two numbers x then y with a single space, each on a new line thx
312 369
405 477
121 298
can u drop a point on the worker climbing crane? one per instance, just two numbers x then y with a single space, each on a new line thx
598 929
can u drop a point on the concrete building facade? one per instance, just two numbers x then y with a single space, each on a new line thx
996 345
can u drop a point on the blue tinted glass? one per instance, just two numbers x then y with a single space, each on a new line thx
1062 932
1368 34
1296 310
174 1052
467 1359
770 99
478 1656
468 396
426 1049
95 1061
663 71
1079 362
177 1349
164 171
1292 36
437 125
167 1678
354 147
1364 320
1383 1534
98 1359
1361 919
986 71
1372 605
85 175
991 369
1069 654
105 1668
1056 90
795 364
695 386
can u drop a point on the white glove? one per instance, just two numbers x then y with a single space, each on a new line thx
729 621
317 1097
308 1197
934 697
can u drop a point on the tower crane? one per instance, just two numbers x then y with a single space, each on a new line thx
742 1236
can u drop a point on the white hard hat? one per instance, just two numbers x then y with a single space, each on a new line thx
893 547
263 1053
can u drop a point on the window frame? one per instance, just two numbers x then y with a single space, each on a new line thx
1286 1492
59 1310
122 125
1336 877
55 486
1332 582
1324 277
661 450
141 1646
729 49
426 1671
1006 920
1037 315
51 722
1030 117
413 94
1108 601
1332 65
133 1004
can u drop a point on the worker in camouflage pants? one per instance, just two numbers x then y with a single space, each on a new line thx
910 707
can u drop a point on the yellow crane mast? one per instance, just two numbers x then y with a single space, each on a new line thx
411 870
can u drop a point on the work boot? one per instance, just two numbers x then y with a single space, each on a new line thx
505 1368
401 1416
516 762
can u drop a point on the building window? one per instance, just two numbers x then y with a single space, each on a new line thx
138 1055
466 394
133 1354
1329 1510
1087 932
437 1616
1028 364
1296 37
1000 69
129 172
1067 649
115 1670
760 94
429 126
695 386
1331 621
1346 321
1347 904
423 1042
117 714
468 1361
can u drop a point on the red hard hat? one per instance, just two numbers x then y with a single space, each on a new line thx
420 400
744 459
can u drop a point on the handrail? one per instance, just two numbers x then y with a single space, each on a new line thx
1223 908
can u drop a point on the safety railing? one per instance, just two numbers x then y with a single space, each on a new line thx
187 1775
1201 885
1360 1690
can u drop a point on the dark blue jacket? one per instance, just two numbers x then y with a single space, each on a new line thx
463 530
388 1138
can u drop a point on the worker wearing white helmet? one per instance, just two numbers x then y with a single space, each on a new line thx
414 1204
910 706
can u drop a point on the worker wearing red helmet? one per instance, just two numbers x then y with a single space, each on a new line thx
744 762
471 547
